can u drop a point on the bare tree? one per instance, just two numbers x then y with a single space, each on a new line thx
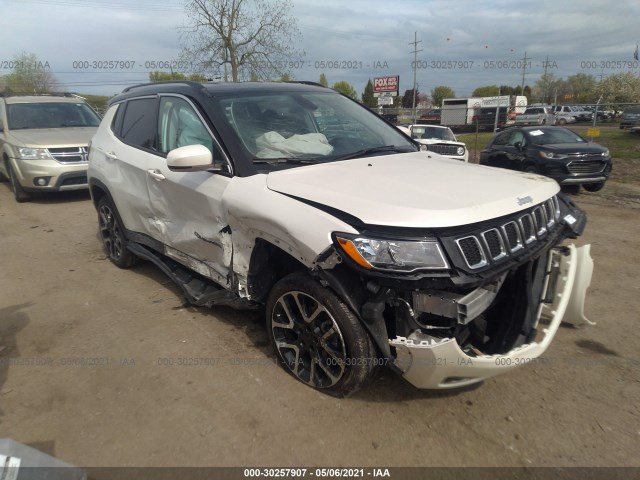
241 37
29 75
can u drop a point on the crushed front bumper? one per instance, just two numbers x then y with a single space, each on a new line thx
439 363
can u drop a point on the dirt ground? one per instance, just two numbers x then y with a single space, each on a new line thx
106 367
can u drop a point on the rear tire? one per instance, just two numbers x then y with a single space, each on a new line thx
114 241
531 169
593 187
317 338
562 121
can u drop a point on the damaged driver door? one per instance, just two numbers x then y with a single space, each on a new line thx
187 205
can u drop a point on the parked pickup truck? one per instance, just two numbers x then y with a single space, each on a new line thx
564 114
579 113
536 116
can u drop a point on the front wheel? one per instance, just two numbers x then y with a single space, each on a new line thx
18 192
562 121
593 187
112 234
317 338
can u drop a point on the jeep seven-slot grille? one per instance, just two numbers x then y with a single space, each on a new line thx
69 154
501 241
443 149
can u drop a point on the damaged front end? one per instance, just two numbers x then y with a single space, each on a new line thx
491 298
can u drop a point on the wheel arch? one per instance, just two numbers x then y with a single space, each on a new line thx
270 263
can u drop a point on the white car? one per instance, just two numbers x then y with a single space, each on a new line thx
363 250
438 139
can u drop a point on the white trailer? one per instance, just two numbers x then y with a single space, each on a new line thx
461 112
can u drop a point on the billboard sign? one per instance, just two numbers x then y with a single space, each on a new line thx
388 85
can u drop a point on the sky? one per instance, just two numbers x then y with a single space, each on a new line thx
463 44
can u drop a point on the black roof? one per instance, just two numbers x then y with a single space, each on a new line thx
214 89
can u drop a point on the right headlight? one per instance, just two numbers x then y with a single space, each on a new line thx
27 153
393 255
460 151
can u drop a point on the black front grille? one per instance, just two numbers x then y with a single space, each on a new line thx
494 243
512 234
588 166
443 149
69 154
498 243
75 180
526 222
540 220
472 252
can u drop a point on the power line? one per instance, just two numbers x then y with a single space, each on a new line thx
107 5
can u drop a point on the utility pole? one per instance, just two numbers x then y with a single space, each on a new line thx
524 69
415 63
544 93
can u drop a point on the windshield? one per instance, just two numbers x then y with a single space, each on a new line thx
432 132
309 127
547 136
50 115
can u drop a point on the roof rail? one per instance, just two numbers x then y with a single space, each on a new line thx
31 94
190 83
306 82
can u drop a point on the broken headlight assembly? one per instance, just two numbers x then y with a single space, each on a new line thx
392 254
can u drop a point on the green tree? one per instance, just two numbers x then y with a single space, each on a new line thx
619 88
487 91
235 37
583 87
253 77
170 76
507 90
323 80
30 75
441 92
285 77
548 88
368 99
345 88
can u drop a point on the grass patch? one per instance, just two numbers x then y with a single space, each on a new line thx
624 148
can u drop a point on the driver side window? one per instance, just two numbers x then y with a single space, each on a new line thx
517 137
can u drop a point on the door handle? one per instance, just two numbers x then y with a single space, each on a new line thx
109 155
156 175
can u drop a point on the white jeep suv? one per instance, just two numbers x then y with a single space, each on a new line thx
363 250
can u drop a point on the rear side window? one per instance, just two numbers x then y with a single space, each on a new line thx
139 124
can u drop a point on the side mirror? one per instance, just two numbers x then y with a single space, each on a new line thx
191 158
518 146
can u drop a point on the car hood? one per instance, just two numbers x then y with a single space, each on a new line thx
53 137
589 148
417 190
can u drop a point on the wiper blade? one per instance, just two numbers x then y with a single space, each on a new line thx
293 160
369 151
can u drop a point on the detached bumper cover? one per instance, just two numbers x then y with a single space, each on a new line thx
441 364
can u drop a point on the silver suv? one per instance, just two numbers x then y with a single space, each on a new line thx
363 250
44 142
